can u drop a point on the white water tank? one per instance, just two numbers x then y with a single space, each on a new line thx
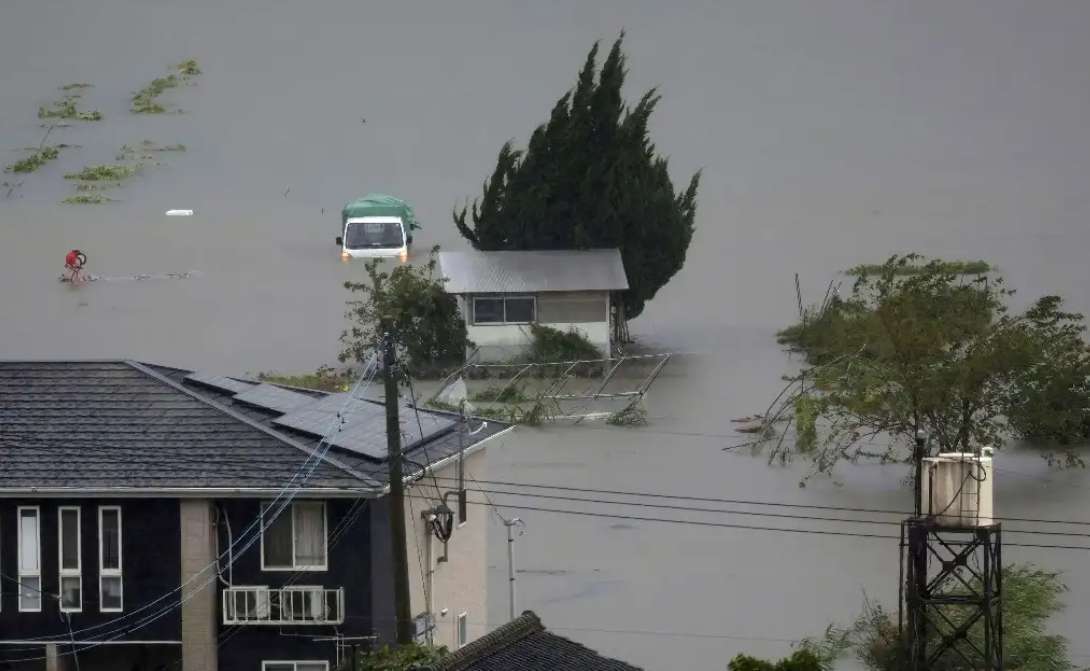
956 489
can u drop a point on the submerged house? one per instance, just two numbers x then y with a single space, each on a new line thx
155 518
501 293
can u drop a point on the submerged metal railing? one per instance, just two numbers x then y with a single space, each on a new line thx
293 605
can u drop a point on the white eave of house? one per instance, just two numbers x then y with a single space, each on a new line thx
532 271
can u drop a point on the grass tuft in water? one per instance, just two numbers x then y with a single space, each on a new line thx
145 101
76 86
37 159
189 67
65 108
87 199
633 414
116 172
145 150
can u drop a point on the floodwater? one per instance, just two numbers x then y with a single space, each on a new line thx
829 134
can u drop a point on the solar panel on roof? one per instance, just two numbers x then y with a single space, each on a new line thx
220 382
310 420
271 397
360 426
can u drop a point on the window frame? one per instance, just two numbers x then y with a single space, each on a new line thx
295 565
503 298
294 663
461 629
63 572
308 591
104 572
19 556
262 604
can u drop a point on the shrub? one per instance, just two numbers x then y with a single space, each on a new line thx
550 345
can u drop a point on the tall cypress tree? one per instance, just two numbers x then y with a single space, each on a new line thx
590 177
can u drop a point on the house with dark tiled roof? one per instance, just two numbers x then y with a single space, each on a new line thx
159 518
524 644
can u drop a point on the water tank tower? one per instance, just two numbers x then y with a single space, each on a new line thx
956 489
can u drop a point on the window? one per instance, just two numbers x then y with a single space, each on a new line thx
295 666
30 559
110 591
69 551
423 624
519 310
504 310
463 629
296 539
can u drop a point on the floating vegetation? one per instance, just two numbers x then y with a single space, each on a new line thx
145 101
65 108
146 150
948 267
86 199
117 172
37 159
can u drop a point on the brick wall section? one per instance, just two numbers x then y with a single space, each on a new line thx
199 599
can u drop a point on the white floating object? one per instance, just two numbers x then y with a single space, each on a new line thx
179 213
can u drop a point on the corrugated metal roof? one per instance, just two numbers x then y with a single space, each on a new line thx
540 270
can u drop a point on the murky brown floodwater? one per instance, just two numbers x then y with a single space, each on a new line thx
829 133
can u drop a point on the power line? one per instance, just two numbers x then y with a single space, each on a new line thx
776 504
815 518
728 525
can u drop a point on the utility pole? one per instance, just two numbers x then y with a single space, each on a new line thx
402 609
510 524
917 459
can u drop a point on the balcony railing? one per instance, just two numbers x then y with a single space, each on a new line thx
293 605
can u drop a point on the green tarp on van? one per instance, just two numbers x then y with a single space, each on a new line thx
380 205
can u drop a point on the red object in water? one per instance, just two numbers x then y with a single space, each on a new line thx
75 259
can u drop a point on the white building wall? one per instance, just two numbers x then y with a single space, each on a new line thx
504 342
460 584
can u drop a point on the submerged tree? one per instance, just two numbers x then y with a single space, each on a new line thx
590 177
932 350
409 303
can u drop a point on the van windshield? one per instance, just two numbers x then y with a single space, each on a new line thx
369 235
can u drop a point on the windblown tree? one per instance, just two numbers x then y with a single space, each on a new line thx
1031 597
410 304
921 346
590 177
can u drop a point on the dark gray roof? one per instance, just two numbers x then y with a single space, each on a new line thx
437 445
523 644
122 425
533 271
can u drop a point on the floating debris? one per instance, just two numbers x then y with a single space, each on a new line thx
179 213
189 274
